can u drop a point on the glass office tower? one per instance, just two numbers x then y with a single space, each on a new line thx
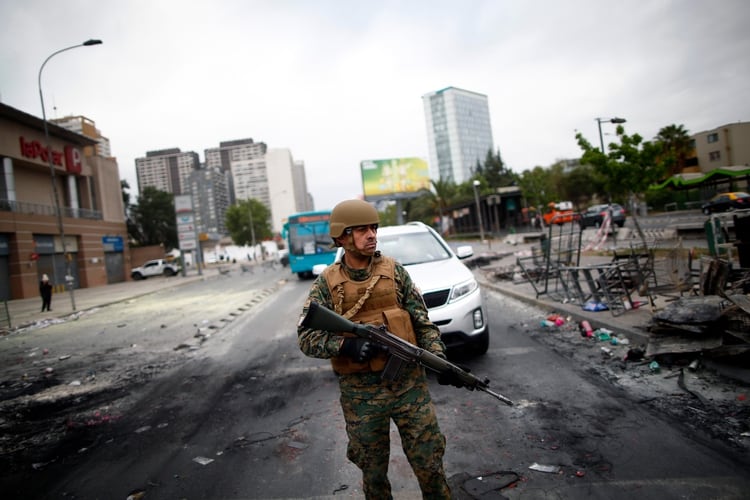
459 133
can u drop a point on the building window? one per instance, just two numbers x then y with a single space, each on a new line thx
714 155
712 138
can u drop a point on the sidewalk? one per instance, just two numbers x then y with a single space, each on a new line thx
631 324
25 312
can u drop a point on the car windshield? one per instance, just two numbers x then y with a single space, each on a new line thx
412 248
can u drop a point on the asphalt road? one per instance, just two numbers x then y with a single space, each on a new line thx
238 412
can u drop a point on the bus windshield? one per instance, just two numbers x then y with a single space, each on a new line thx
309 241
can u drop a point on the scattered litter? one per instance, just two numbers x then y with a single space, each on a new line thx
594 306
143 429
585 328
484 486
545 468
297 445
64 357
343 487
203 460
580 473
75 383
136 495
635 354
556 319
654 367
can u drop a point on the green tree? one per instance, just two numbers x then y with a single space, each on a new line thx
536 185
495 172
134 233
579 185
675 147
248 220
154 216
627 168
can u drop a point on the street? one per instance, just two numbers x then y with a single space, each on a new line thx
200 392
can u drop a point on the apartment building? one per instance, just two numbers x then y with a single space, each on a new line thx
87 127
167 170
724 146
86 240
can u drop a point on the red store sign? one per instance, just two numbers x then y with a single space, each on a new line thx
35 151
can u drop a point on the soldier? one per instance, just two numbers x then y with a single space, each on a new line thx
367 287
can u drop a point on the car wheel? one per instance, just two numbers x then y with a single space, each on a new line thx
169 272
137 276
482 344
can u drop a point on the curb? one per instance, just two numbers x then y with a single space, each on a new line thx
569 310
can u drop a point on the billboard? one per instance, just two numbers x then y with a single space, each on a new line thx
394 178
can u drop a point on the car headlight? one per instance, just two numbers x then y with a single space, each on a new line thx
463 289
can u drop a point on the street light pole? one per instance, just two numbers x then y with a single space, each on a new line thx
479 211
610 120
68 277
252 225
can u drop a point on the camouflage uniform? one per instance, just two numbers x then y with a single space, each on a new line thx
369 403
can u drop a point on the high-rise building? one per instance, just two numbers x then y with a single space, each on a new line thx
245 156
280 167
302 198
167 170
209 192
86 127
459 133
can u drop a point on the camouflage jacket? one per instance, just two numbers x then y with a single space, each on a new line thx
322 344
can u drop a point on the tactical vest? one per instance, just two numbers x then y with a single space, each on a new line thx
373 302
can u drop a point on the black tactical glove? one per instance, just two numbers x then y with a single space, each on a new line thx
360 350
450 378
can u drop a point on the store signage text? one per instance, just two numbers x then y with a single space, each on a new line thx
35 151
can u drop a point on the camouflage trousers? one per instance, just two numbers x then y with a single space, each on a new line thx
368 409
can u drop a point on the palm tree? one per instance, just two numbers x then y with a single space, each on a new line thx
676 147
445 191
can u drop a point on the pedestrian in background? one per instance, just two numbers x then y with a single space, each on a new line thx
45 290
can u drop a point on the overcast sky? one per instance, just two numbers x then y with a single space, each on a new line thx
341 81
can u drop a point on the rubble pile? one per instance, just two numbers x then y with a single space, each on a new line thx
714 326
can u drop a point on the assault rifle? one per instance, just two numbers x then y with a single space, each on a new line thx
401 352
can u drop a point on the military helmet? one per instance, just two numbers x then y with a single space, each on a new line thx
351 213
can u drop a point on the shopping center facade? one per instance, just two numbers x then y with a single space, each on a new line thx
84 244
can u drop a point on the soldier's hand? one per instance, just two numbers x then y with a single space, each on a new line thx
360 350
449 377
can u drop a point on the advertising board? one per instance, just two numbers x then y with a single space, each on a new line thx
394 178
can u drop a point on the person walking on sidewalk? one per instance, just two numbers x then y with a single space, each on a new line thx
45 290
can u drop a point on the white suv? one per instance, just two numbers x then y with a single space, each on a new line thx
452 295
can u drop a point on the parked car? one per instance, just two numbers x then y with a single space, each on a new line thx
559 213
156 267
723 202
451 293
594 215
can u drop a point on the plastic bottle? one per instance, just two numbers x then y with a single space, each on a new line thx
547 323
585 328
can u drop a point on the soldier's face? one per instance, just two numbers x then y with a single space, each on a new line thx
363 240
